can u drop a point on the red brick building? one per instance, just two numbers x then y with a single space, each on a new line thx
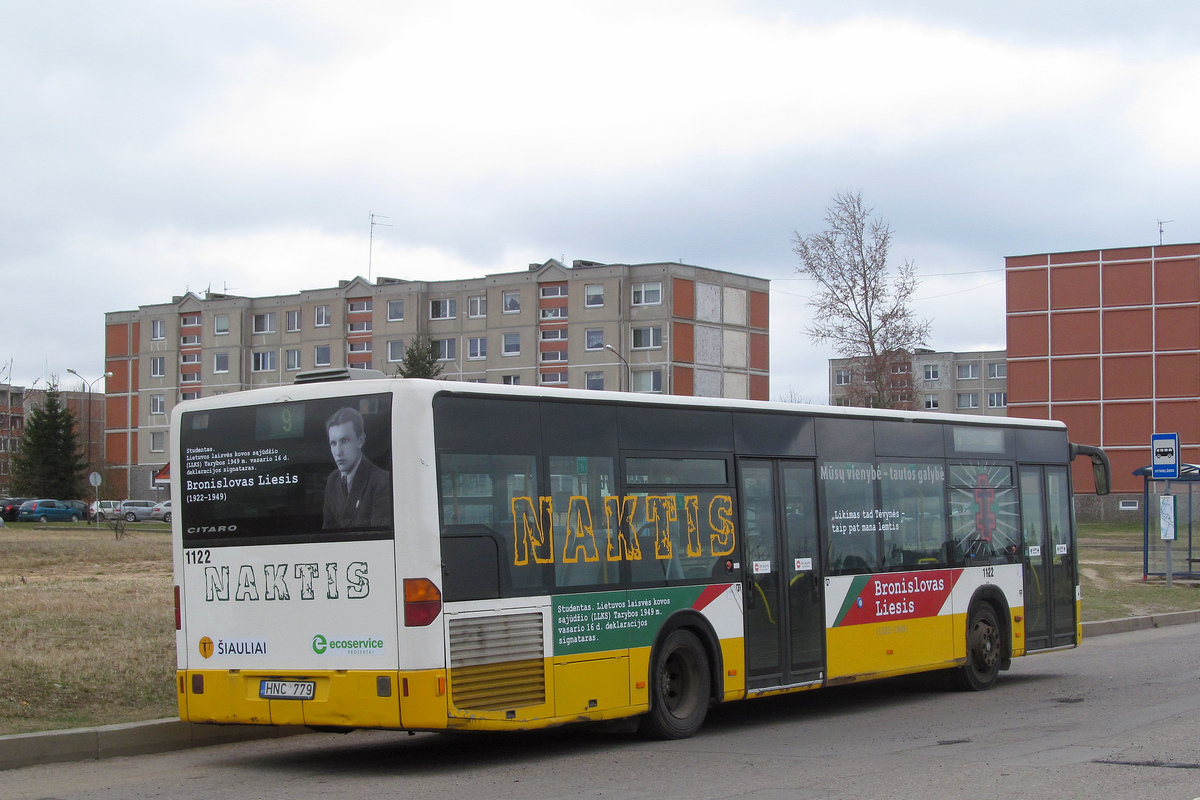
1108 341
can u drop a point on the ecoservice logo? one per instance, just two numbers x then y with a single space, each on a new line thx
353 647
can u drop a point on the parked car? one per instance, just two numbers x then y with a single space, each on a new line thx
162 511
10 507
105 509
136 510
47 511
79 506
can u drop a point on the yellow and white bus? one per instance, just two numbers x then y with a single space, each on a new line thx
428 555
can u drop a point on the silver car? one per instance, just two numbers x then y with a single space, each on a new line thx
137 510
162 511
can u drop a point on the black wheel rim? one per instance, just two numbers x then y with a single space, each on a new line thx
985 646
677 684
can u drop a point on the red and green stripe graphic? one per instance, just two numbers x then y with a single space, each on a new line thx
896 596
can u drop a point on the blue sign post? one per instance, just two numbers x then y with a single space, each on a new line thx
1164 455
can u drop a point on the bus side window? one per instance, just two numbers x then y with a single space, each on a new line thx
578 486
913 500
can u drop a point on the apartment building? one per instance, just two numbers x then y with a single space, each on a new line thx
950 382
1108 341
664 328
12 428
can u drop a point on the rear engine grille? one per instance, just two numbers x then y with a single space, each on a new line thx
497 662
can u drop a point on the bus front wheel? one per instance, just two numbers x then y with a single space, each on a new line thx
680 683
983 651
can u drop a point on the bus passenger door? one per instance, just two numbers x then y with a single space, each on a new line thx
785 627
1050 578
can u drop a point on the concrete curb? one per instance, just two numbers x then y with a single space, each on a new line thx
1126 624
126 739
161 735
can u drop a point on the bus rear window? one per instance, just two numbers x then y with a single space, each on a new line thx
312 471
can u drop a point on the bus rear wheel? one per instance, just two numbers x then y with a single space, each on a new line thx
983 651
680 684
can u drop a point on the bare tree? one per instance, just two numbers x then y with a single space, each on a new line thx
861 305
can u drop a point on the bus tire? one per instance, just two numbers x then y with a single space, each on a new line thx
680 684
984 651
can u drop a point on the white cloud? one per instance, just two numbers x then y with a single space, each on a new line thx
488 89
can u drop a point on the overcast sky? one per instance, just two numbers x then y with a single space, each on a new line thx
149 148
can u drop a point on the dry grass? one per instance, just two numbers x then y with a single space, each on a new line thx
87 623
1110 566
87 620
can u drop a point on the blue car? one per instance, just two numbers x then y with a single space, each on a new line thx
47 511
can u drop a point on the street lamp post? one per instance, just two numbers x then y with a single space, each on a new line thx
89 384
626 378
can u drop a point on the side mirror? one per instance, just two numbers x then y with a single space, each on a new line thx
1101 470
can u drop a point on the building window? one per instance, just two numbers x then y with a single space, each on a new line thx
360 347
189 341
477 348
511 380
931 372
220 362
321 316
444 349
264 323
647 294
554 377
594 380
158 367
648 381
841 377
189 320
396 350
647 338
321 355
998 369
968 371
189 377
158 441
997 399
559 290
221 324
901 369
158 404
189 358
291 321
443 309
512 344
477 306
395 310
931 402
841 401
263 361
553 356
293 359
968 400
190 395
360 327
554 334
554 313
511 303
359 306
593 295
158 329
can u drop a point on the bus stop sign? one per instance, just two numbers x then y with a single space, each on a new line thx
1164 455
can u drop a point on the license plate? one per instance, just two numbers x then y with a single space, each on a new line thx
287 690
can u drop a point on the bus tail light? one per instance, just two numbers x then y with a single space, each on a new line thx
178 612
422 602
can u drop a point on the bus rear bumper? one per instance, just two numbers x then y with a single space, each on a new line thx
350 698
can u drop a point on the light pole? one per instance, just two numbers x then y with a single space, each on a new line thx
89 384
624 379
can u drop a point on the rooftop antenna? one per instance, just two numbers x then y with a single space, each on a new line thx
371 239
1162 222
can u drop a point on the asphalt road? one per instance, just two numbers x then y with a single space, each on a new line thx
1116 718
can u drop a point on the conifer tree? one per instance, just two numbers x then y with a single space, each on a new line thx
420 361
50 463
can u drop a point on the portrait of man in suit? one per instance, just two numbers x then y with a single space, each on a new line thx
357 493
